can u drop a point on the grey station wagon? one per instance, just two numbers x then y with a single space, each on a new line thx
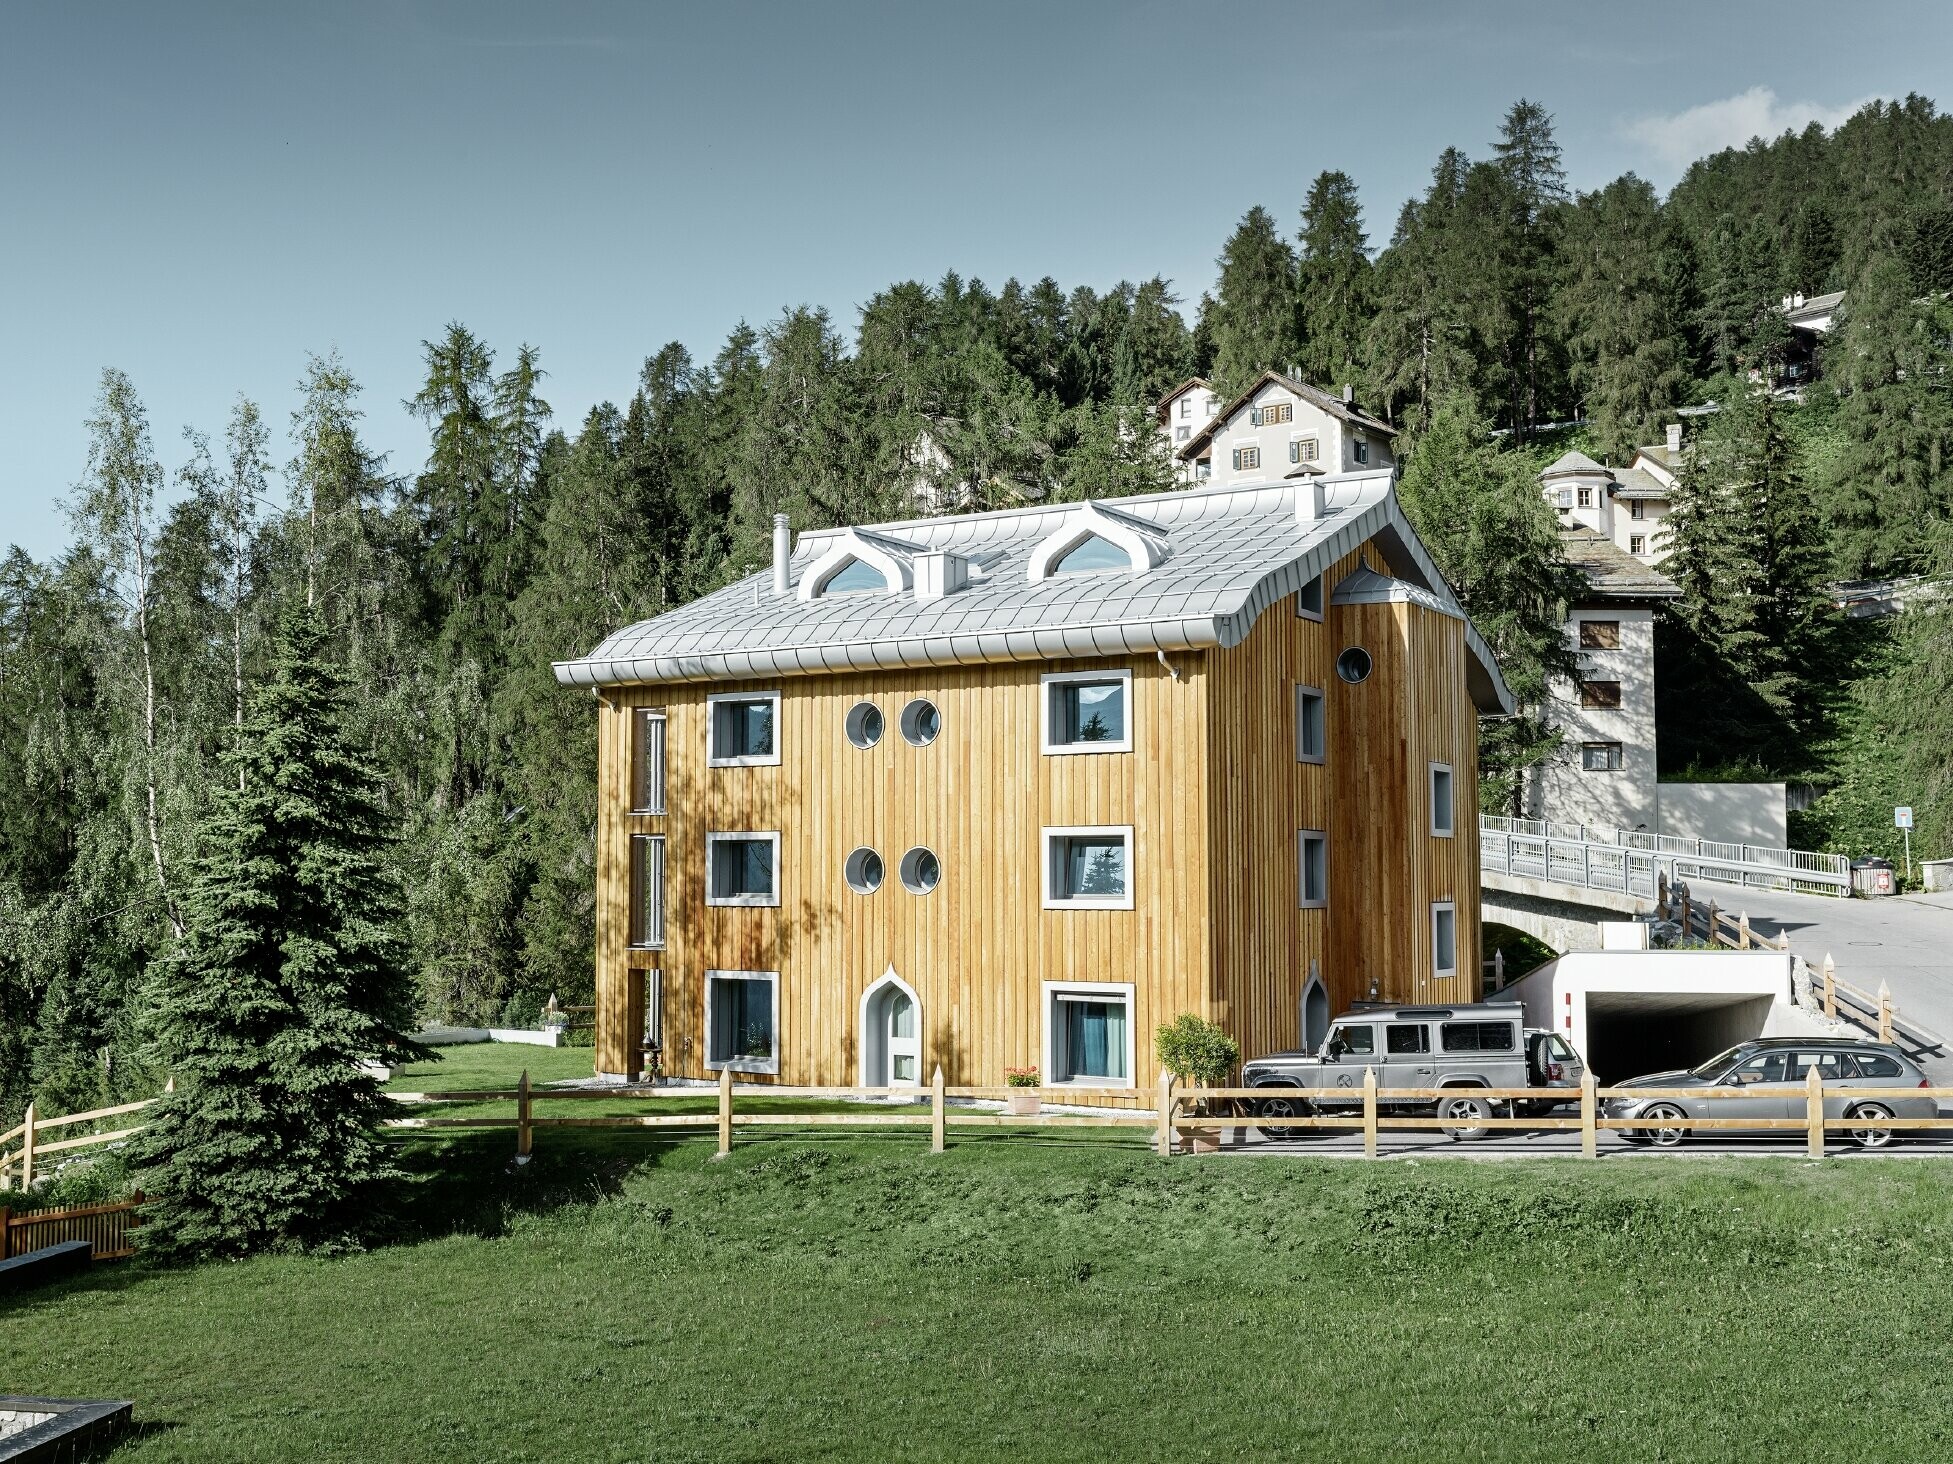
1461 1049
1771 1074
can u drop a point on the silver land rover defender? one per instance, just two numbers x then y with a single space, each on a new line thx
1486 1045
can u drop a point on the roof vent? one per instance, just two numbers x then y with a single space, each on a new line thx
1349 395
782 551
939 573
1311 501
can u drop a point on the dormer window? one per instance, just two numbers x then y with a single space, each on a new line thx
1092 556
856 577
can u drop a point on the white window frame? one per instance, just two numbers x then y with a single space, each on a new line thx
736 902
1322 599
712 758
1047 871
1445 907
1302 755
1055 991
743 1064
1620 764
1304 837
641 717
1640 540
1450 828
1047 700
640 939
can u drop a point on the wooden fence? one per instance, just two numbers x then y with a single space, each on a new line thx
17 1164
105 1227
1172 1123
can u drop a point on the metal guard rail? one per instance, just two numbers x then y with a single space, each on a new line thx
1633 863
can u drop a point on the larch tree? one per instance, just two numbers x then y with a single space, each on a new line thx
288 980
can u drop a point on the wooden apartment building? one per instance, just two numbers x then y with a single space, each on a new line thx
1012 789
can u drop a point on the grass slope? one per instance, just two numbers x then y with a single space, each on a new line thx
1063 1298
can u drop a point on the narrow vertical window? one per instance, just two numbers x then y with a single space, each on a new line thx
648 891
647 761
1312 856
1308 600
1311 725
1441 801
1444 939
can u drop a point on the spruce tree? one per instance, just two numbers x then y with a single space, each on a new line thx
1332 281
288 977
1254 312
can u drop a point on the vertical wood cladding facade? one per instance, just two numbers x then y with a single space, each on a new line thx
1212 790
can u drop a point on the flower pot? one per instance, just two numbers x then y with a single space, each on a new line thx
1021 1103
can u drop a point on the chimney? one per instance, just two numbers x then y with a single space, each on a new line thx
782 549
1674 436
1349 395
1310 502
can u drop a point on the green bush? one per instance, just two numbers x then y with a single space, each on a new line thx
1196 1051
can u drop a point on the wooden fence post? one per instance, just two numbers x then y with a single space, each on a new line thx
1814 1112
938 1124
725 1111
6 1230
1687 915
1830 987
1743 931
525 1137
1715 914
1884 1012
1163 1136
1589 1111
27 1151
1369 1113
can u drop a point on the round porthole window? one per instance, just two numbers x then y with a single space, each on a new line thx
922 871
864 872
1353 665
865 725
921 722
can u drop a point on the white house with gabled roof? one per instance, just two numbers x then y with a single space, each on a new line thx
1284 428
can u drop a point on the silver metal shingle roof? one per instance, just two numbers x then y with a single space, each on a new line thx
1230 554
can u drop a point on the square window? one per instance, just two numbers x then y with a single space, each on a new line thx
742 1021
1303 449
1308 600
1182 432
1444 939
1637 544
1312 858
1586 498
1360 449
1246 457
1442 821
1088 1029
1277 412
1600 635
1086 868
1311 725
647 761
648 891
1600 757
1087 712
1605 695
742 869
743 730
1186 405
1203 469
1566 498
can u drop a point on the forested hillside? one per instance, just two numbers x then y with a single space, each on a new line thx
1502 318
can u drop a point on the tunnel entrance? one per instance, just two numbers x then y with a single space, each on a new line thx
1630 1033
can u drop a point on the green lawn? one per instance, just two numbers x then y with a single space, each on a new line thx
1066 1297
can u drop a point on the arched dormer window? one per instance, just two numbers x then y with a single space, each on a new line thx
855 577
858 563
1090 555
1092 539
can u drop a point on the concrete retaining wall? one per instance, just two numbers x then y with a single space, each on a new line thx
1732 813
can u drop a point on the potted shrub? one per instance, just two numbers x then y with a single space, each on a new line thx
1022 1101
1200 1053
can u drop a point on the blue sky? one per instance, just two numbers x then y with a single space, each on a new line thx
200 194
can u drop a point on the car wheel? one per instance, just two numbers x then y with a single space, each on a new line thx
1290 1104
1668 1130
1465 1116
1869 1137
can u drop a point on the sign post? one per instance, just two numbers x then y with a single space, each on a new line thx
1902 820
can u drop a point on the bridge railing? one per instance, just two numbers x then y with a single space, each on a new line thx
1631 862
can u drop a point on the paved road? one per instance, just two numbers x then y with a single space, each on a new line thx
1906 942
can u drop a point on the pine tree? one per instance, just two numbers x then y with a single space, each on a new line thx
1423 345
1332 281
288 977
1617 310
1254 310
1479 511
1528 159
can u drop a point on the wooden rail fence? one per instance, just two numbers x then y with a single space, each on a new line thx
1169 1119
17 1164
105 1227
